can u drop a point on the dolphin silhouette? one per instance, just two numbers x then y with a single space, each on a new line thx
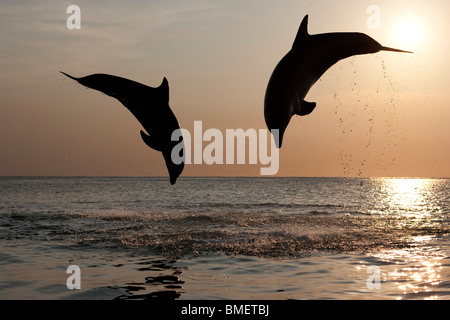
302 66
151 108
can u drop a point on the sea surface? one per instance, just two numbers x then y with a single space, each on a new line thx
224 238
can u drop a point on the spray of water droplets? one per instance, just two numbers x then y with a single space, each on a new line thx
347 116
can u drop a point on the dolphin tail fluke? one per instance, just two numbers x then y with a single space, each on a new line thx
173 178
174 169
278 138
394 50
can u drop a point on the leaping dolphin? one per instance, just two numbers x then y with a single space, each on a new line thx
149 105
302 66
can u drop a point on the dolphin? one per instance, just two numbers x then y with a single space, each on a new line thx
302 66
151 108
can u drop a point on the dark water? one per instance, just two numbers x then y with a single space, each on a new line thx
225 238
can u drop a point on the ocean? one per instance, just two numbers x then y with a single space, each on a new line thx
140 238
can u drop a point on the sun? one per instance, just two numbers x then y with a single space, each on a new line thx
409 33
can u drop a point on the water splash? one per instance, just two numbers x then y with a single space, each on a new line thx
263 235
385 129
390 124
346 123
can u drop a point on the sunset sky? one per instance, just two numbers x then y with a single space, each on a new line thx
385 114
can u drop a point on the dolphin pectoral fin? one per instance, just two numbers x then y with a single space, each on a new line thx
304 108
150 141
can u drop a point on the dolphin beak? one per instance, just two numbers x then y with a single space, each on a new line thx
68 75
394 50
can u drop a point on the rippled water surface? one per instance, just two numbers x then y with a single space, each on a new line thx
225 238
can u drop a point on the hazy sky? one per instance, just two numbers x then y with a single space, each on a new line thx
385 114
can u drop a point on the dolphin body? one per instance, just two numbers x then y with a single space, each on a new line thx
151 108
302 66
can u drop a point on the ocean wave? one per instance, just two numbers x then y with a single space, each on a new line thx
232 232
240 216
263 235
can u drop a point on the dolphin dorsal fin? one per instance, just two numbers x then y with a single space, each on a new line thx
164 89
302 32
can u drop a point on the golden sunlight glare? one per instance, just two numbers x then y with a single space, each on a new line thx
409 33
406 194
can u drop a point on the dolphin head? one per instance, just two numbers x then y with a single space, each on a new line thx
360 43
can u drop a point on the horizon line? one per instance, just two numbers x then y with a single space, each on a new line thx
214 177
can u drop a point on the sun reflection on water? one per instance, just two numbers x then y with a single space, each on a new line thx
415 271
414 207
408 195
414 204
